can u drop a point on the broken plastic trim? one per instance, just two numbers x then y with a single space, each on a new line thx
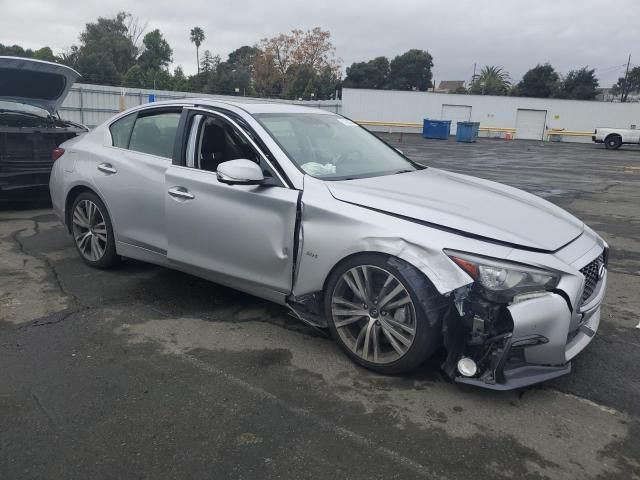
308 308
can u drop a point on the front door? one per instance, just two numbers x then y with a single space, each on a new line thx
240 235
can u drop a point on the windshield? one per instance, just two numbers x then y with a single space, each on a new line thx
331 147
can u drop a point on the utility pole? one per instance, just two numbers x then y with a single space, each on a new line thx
625 90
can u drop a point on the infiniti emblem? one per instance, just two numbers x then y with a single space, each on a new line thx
601 270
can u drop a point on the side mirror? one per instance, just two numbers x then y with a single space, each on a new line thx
240 172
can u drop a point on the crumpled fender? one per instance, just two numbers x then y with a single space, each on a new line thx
442 272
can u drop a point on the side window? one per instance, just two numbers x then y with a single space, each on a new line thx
155 134
121 131
219 142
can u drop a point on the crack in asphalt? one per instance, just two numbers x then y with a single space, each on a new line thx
54 318
15 237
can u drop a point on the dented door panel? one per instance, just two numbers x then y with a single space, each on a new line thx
242 233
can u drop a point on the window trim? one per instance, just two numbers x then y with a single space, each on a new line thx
193 144
245 127
214 113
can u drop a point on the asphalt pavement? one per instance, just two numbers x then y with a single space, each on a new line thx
144 372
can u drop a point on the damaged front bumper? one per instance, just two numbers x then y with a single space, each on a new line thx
547 334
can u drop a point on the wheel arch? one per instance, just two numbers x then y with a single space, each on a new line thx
406 256
71 196
614 135
442 273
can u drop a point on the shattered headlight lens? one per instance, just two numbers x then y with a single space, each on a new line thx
504 279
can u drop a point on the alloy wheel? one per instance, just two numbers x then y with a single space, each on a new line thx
89 230
373 314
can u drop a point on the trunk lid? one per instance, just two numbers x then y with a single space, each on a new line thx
35 82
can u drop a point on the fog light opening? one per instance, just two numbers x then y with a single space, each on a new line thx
467 367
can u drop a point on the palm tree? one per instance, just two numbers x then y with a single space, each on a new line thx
491 81
197 37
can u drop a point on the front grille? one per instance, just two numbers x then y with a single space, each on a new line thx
591 277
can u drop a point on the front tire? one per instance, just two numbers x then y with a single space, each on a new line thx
93 232
376 308
613 142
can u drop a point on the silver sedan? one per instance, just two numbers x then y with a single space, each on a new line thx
307 209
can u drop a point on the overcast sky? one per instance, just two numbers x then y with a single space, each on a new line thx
516 35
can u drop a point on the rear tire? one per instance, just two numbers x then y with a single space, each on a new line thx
395 333
613 142
92 231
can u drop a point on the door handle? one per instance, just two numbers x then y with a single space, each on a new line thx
181 193
107 168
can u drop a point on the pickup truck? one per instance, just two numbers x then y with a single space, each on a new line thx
613 138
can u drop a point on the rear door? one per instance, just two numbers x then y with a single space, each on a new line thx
131 176
239 235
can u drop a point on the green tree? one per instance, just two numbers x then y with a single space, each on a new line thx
540 82
197 36
156 53
411 70
99 67
579 84
327 82
156 78
106 52
45 54
69 57
627 84
135 78
301 82
371 74
13 51
243 57
491 81
179 81
226 79
209 62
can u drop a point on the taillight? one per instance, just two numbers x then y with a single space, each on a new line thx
56 153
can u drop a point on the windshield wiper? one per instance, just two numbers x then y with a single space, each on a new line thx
403 171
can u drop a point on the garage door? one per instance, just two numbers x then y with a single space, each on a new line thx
456 113
530 124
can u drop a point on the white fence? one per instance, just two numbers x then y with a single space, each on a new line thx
532 118
93 104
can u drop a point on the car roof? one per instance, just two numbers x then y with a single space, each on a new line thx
251 106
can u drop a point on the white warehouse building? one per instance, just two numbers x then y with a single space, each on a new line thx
531 118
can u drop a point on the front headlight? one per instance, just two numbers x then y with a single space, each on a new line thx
503 280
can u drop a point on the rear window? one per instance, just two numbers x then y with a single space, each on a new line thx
121 131
155 134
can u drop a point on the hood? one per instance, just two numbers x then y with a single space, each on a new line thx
467 205
34 82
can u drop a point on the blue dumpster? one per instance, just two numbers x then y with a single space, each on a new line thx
467 131
436 129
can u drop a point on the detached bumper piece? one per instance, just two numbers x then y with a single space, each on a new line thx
507 369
